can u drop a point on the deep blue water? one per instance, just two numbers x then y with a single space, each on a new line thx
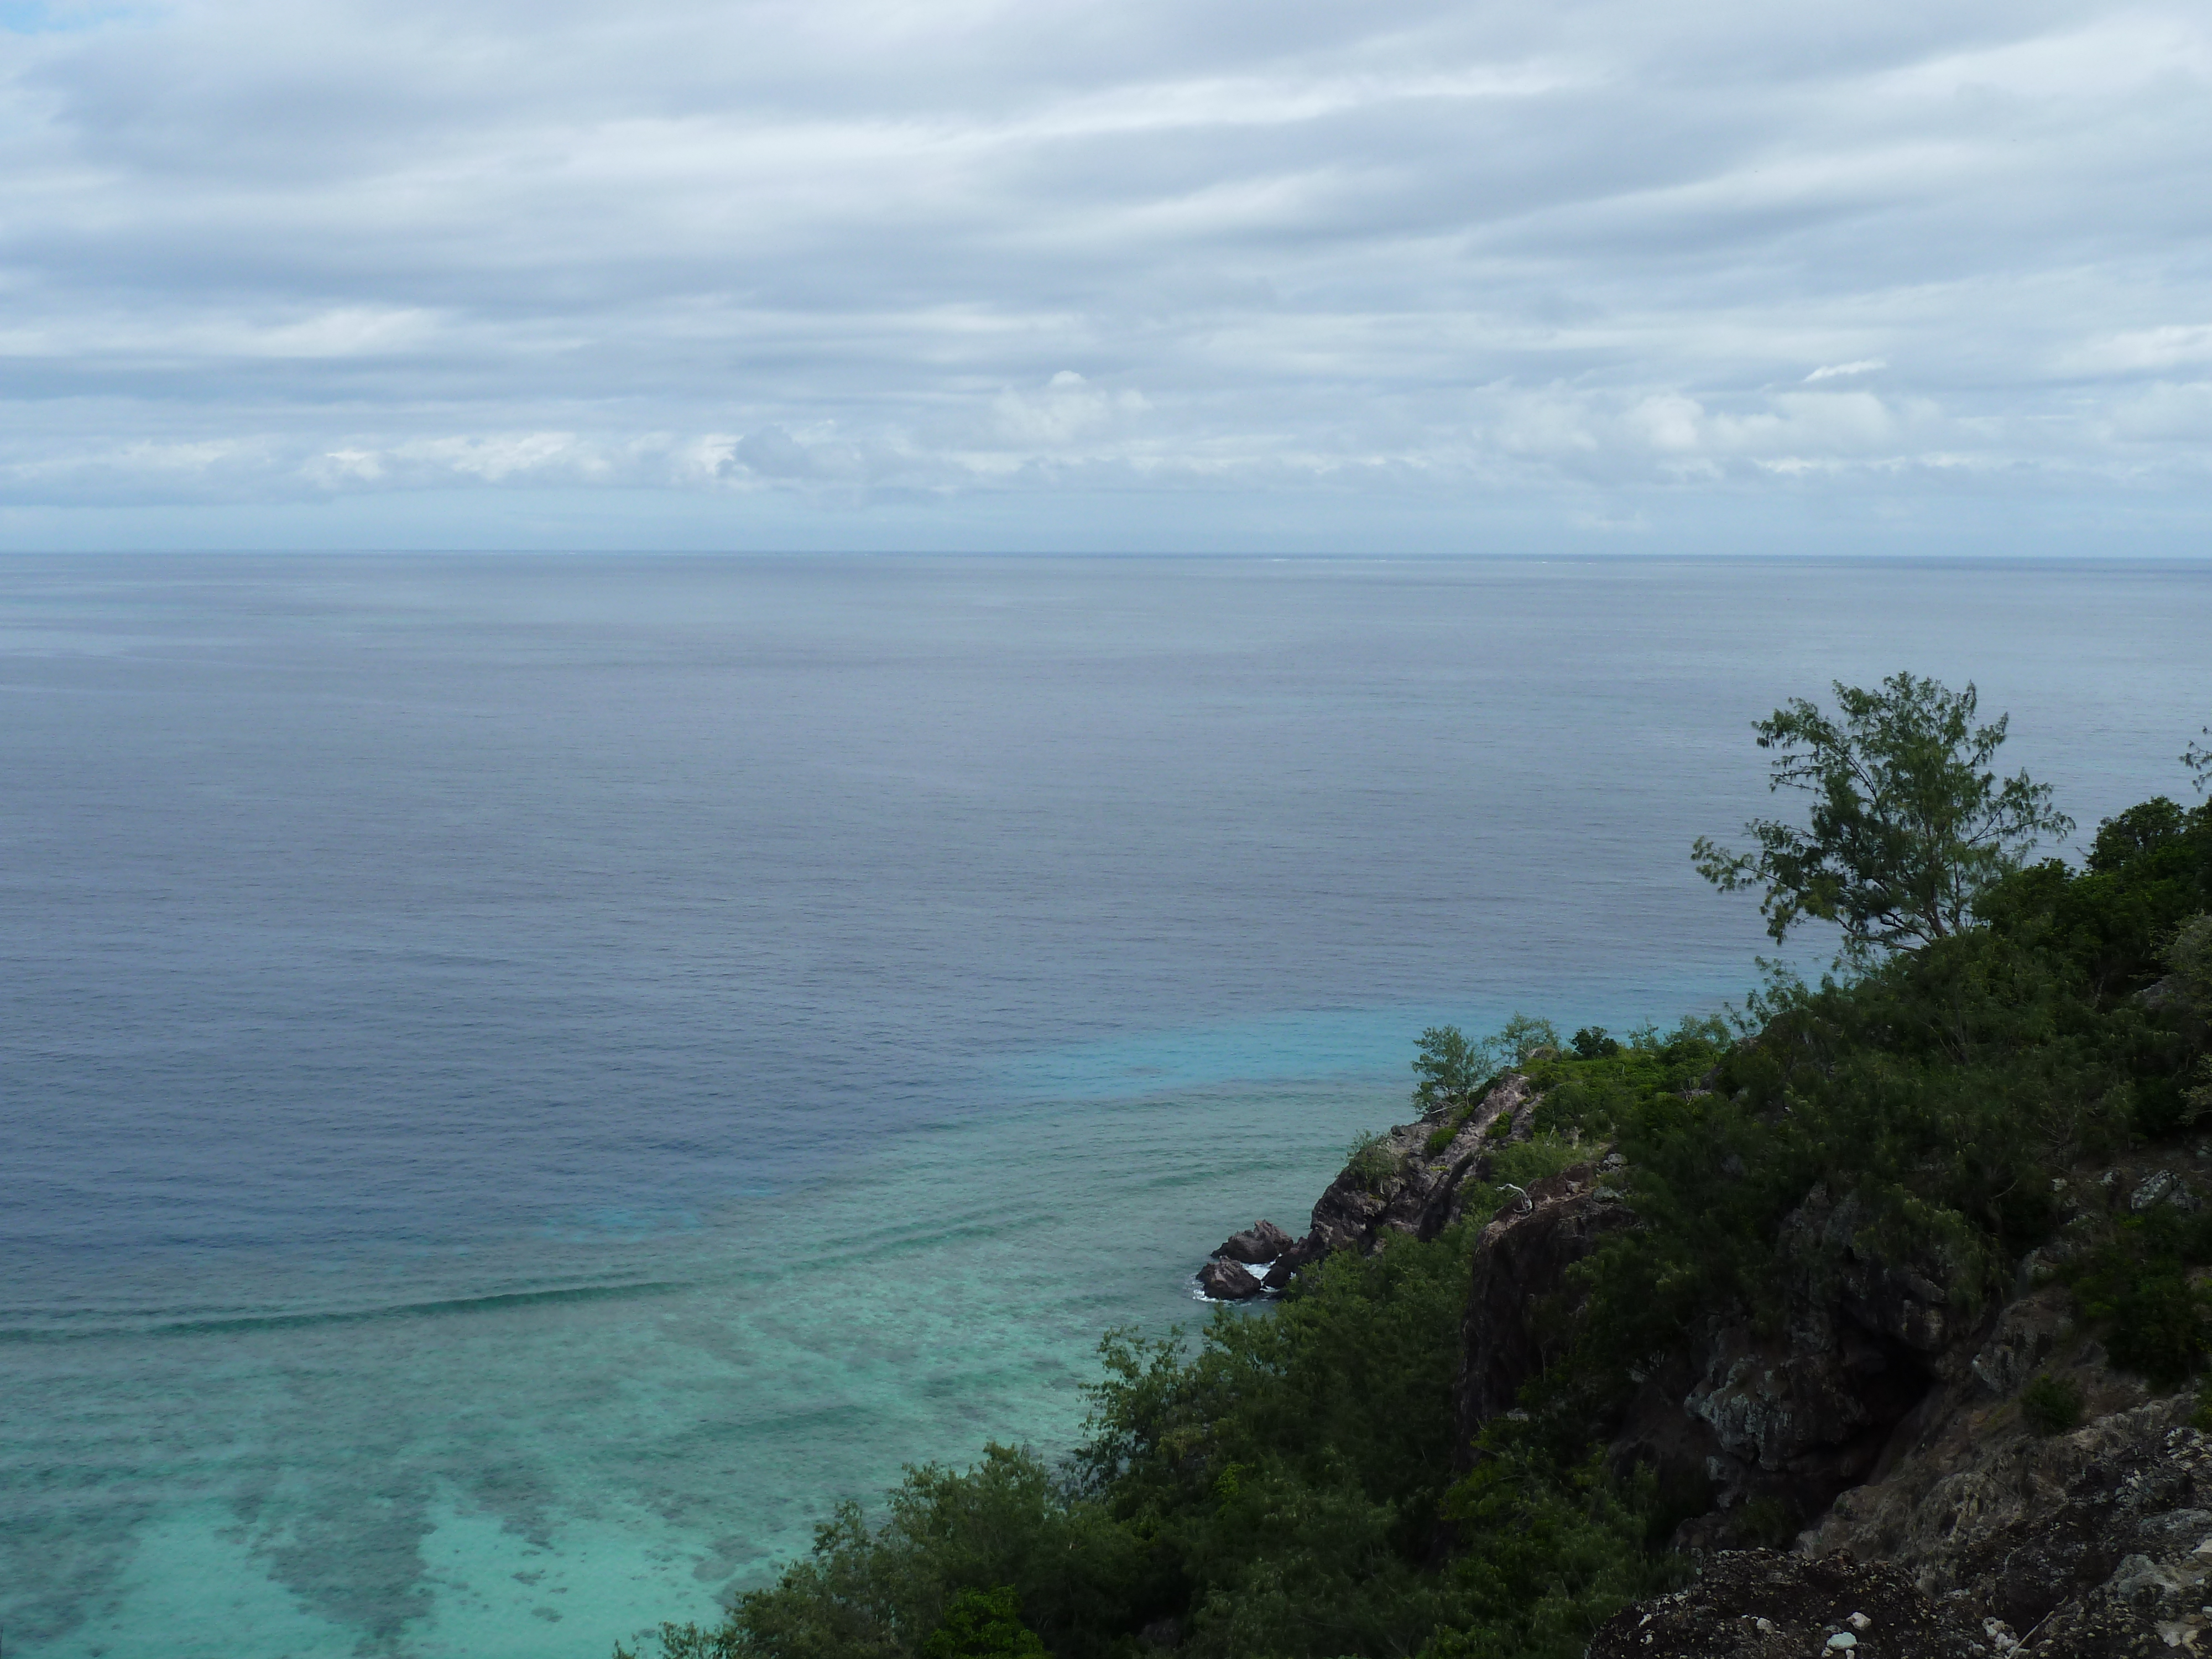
526 1079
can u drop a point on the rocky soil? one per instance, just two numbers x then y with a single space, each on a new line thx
2115 1561
1758 1604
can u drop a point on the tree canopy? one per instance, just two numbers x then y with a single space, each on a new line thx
1454 1069
1910 823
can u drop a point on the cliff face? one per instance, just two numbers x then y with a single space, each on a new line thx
1521 1263
1788 1418
1792 1416
1886 1419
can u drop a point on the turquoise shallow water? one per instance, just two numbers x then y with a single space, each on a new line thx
539 1471
526 1081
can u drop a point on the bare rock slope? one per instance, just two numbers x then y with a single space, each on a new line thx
2117 1562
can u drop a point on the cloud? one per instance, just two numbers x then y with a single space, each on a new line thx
1835 370
1067 409
2136 351
975 253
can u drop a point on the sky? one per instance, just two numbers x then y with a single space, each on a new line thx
1526 276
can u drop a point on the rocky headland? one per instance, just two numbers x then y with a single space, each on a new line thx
1868 1477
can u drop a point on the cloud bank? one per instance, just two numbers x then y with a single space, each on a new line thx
1082 273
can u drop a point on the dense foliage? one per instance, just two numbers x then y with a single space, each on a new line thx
1294 1486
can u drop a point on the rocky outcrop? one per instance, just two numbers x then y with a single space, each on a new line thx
1872 1406
1521 1263
1776 1417
1414 1179
2119 1565
1409 1189
1257 1245
1225 1278
1965 1465
1758 1604
1772 1422
2086 1544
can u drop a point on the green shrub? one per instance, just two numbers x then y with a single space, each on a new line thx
984 1625
1531 1161
1766 1522
2135 1287
1452 1070
1592 1044
2189 958
1369 1161
2159 1330
2050 1405
1457 1070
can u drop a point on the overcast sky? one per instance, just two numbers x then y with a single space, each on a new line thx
1881 275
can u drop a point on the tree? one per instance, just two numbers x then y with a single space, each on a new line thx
1450 1068
1454 1069
1909 824
984 1625
2198 757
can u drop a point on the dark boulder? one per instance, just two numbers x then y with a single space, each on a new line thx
1287 1264
1262 1242
1227 1281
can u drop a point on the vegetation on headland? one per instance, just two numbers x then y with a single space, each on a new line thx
1292 1486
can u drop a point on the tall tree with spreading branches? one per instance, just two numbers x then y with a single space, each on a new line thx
1910 822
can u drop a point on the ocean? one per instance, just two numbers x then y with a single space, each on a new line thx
525 1080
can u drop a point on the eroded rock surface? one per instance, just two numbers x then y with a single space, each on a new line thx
1411 1189
1775 1420
2091 1544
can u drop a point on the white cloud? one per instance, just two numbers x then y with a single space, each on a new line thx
1836 371
253 250
2143 350
1067 408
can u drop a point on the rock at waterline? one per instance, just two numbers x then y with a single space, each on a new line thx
1256 1245
1227 1281
1287 1264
